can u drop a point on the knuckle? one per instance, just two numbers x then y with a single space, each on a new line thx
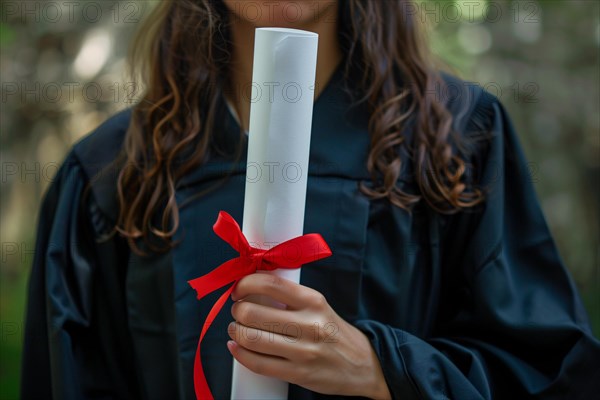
258 367
318 330
243 313
243 337
310 354
239 336
275 282
232 330
235 310
241 340
317 300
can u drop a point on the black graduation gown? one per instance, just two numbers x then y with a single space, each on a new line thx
476 305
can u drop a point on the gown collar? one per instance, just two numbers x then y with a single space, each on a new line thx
339 139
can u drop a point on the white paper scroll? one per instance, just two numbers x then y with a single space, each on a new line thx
283 80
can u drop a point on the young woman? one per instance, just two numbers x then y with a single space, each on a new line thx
444 282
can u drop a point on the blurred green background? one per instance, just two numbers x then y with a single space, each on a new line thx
62 72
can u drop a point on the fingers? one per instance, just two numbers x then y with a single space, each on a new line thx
262 364
263 317
265 342
295 296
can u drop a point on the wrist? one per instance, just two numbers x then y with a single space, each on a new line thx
379 388
376 387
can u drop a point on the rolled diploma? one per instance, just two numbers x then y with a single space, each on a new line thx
283 80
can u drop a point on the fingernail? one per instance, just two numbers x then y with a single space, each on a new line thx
231 345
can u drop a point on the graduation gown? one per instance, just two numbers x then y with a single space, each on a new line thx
475 305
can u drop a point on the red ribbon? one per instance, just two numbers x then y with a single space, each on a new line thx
290 254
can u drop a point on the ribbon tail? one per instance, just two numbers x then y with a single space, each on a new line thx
228 272
200 385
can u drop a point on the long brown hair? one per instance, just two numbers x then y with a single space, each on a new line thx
181 55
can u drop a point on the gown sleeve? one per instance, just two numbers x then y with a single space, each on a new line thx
65 333
511 324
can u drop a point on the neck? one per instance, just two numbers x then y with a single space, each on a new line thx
242 34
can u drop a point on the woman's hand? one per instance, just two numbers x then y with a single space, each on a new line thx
307 343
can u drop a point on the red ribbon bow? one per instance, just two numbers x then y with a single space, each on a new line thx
289 254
